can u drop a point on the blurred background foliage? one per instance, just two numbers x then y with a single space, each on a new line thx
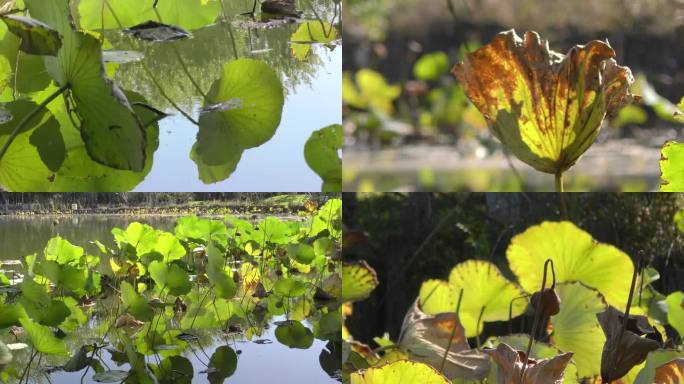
409 125
409 238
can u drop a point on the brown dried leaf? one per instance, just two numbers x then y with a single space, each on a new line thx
544 371
670 373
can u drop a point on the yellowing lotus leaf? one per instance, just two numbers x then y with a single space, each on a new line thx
670 373
672 167
358 281
402 371
576 329
576 257
547 108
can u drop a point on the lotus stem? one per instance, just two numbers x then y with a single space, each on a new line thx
624 319
537 315
510 312
27 119
559 181
477 327
453 331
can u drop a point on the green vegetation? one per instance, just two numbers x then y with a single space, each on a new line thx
157 296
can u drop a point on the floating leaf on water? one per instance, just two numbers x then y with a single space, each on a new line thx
358 280
222 364
154 31
17 346
311 32
402 371
165 347
545 107
263 341
79 360
122 57
576 257
37 38
294 335
111 376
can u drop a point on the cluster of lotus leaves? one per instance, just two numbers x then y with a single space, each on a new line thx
545 107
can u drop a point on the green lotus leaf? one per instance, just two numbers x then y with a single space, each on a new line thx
329 326
295 335
431 66
111 130
175 369
671 169
42 338
78 360
11 313
654 360
311 32
170 276
141 238
289 287
34 155
402 371
188 14
545 107
358 281
321 154
576 257
36 37
675 311
301 253
540 350
222 364
195 228
76 317
222 283
136 305
169 247
483 287
62 251
371 91
63 275
575 328
247 105
275 231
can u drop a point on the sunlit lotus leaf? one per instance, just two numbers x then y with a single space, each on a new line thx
289 287
540 350
111 130
675 311
575 328
199 229
370 91
510 364
431 66
426 338
483 287
672 167
36 37
247 105
220 280
311 32
35 154
545 107
654 360
402 371
358 281
321 154
670 373
62 251
136 304
170 276
295 335
42 338
624 350
576 257
67 276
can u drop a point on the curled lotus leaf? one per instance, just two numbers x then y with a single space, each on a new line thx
624 350
427 337
546 107
511 363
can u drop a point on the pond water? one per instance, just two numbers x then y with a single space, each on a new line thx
191 152
253 353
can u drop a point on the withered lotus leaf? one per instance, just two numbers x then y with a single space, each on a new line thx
511 361
547 108
426 338
670 373
623 350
